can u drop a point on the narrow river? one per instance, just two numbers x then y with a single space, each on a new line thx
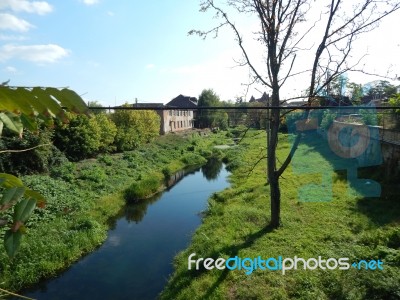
136 259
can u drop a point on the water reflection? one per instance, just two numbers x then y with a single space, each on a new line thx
135 260
135 212
212 168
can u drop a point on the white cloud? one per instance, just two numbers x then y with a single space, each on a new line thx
90 2
49 53
6 37
38 7
11 69
150 66
10 22
110 13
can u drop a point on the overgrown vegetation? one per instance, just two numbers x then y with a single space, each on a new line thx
346 225
82 197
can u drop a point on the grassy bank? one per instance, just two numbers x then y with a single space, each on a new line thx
83 197
344 225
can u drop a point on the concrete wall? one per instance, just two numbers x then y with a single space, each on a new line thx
373 147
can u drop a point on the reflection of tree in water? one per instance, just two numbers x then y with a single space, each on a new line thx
136 211
212 168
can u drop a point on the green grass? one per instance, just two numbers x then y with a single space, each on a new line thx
142 189
346 226
82 199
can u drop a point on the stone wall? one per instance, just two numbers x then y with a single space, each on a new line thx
374 145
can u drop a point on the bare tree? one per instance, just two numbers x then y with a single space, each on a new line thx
282 30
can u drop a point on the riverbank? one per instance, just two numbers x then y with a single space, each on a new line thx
82 198
346 225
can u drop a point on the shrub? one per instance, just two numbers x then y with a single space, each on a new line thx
327 119
108 131
193 159
106 159
38 160
167 173
65 171
78 139
93 173
369 117
135 128
142 189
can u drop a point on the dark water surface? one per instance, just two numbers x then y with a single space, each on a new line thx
136 259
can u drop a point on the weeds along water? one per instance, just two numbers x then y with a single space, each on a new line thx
82 197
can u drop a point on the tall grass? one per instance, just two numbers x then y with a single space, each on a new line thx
343 225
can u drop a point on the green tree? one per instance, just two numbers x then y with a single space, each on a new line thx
383 89
79 138
108 131
135 127
356 92
395 101
208 118
96 104
211 118
280 32
338 85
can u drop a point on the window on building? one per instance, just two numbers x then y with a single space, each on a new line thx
170 112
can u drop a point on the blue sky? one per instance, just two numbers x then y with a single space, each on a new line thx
114 51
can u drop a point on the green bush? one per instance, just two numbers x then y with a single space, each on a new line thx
191 159
106 159
78 139
369 117
38 160
327 119
93 173
135 128
65 171
142 189
167 173
108 131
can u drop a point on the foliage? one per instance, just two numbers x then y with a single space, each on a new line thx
96 104
338 85
257 118
369 117
142 189
135 128
356 92
192 159
383 89
65 171
40 159
211 118
93 173
108 131
395 101
21 107
348 226
79 138
327 119
280 35
15 194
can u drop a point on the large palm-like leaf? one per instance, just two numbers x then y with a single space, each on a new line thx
20 106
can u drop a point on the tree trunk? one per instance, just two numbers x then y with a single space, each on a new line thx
273 176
